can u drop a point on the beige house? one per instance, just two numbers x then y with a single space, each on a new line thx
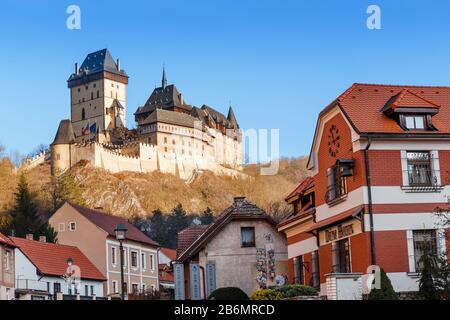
243 245
7 270
93 233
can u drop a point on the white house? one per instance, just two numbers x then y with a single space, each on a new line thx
47 270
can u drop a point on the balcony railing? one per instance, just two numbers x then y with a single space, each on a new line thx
335 193
422 179
35 285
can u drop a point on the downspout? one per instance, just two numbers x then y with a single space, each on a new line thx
369 196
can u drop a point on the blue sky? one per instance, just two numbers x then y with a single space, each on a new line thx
278 62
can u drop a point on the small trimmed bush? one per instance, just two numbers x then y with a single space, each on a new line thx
228 293
296 290
267 294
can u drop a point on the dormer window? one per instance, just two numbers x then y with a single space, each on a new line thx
414 122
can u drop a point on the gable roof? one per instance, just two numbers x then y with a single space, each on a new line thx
6 241
188 236
300 188
363 104
240 209
108 223
408 99
51 259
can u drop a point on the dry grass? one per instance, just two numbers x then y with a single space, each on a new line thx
129 193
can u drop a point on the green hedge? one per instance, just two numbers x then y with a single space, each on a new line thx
288 291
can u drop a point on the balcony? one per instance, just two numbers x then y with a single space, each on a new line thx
335 194
422 180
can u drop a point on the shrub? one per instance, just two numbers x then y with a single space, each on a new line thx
386 292
228 293
267 294
296 290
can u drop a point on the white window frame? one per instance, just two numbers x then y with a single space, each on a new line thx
143 261
113 256
61 227
70 226
131 259
152 262
7 260
137 286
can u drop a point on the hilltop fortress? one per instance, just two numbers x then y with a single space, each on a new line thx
171 136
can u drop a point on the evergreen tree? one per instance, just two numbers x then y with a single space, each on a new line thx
427 287
207 217
25 215
176 221
158 227
386 291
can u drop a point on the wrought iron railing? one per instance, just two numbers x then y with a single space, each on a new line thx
334 193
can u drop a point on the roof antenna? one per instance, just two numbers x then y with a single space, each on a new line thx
164 80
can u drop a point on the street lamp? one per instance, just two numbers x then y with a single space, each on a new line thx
120 236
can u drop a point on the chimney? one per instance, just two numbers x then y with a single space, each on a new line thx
181 98
76 68
238 199
118 65
42 238
29 236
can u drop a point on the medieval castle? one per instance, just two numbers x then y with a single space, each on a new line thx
171 136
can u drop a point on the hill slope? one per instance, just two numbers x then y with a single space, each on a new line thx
129 193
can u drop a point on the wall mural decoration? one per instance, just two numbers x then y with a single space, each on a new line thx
265 262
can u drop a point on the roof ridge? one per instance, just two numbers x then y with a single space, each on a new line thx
44 243
398 85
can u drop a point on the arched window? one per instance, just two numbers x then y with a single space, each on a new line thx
83 114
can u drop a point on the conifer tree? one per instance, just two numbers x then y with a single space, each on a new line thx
386 291
207 217
25 216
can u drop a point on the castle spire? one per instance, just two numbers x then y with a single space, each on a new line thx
164 80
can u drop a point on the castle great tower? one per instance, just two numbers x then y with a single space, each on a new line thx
97 97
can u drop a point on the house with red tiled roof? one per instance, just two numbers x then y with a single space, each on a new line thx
7 268
44 270
93 232
379 164
166 256
242 248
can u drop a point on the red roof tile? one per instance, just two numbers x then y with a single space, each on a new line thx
187 237
362 103
51 259
109 223
170 253
6 240
301 187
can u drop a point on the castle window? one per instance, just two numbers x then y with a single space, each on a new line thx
112 94
112 85
87 87
165 149
173 141
98 93
95 85
165 140
58 156
83 114
92 95
78 89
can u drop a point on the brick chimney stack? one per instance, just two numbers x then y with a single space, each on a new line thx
29 236
42 238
